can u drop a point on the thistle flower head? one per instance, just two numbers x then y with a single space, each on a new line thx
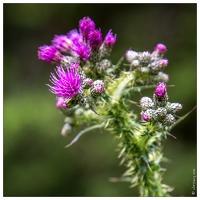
110 39
67 84
160 48
49 54
82 51
75 36
86 25
160 90
62 43
95 39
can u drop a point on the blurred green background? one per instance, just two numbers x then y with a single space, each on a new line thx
35 162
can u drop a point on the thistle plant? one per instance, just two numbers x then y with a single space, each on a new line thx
93 91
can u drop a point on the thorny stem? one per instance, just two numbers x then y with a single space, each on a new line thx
139 147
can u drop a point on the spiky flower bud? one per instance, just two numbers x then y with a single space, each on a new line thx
146 103
149 115
160 97
97 88
144 117
160 90
131 55
160 48
173 107
110 39
161 112
169 120
145 57
164 62
87 83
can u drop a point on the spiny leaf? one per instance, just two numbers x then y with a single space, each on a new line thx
83 132
182 118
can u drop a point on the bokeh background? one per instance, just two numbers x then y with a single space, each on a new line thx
35 162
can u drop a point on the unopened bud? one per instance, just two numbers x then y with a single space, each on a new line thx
149 115
87 83
160 48
173 107
146 103
161 112
97 88
145 57
169 120
131 55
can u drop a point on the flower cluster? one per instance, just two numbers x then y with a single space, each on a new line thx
84 45
159 109
148 64
72 52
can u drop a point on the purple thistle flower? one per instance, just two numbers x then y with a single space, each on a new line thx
62 43
82 51
161 48
110 39
160 90
75 36
95 39
67 85
86 25
49 54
